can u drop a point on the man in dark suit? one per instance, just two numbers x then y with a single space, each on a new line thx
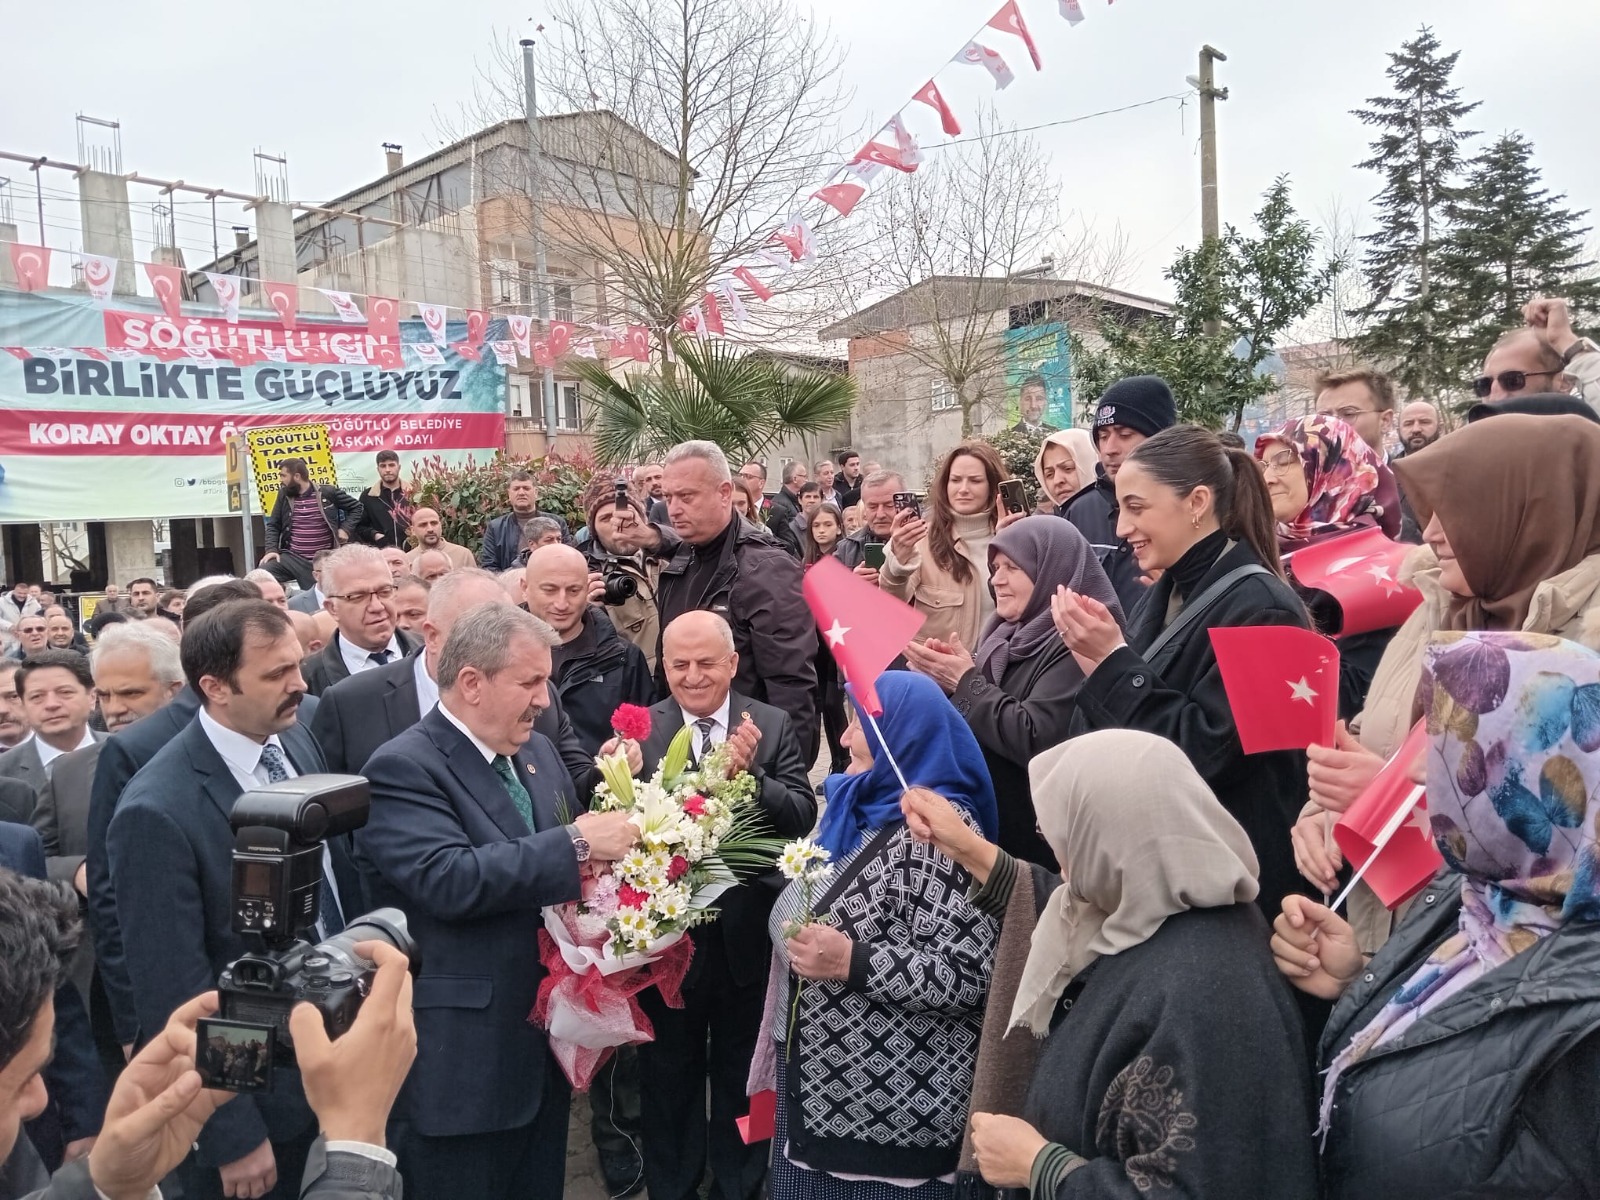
309 601
505 537
466 837
57 693
726 985
360 595
171 851
77 1085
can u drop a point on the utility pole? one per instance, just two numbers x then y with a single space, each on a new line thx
541 270
1210 93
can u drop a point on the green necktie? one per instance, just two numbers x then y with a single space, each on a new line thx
519 794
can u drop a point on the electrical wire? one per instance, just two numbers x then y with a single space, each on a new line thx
1104 112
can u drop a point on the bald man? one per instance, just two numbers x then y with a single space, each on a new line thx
722 998
427 531
595 668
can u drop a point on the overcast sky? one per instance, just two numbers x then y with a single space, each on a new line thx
325 83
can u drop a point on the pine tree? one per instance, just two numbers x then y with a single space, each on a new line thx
1418 153
1510 240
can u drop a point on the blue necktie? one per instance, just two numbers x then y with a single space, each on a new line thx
381 657
332 919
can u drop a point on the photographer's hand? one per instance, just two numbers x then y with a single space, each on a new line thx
156 1110
351 1084
597 588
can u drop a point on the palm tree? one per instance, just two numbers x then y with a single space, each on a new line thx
745 403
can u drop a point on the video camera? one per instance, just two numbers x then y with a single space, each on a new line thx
621 585
279 830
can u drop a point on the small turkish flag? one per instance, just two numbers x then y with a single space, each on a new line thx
1282 684
560 339
865 629
477 324
713 315
1385 834
168 284
748 277
639 342
383 318
1009 20
990 61
799 240
284 297
541 354
471 351
930 95
242 356
841 197
388 356
1361 571
761 1124
31 264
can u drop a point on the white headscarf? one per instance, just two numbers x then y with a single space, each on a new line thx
1140 837
1078 444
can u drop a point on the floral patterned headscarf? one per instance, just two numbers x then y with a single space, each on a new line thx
1513 798
1343 475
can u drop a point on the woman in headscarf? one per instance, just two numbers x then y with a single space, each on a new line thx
1140 1044
1463 1058
1065 465
1018 690
1511 509
871 1048
1324 483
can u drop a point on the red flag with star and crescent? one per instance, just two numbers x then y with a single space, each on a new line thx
1361 571
1386 832
1282 683
865 629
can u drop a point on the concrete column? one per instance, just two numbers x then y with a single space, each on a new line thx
8 277
108 223
275 242
130 551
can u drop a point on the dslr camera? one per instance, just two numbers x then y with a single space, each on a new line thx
279 833
621 584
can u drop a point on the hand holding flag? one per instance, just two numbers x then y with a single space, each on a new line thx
1387 832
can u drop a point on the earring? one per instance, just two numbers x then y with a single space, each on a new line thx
1194 520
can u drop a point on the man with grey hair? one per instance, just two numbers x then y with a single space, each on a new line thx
137 671
271 590
471 835
739 571
877 498
785 507
360 596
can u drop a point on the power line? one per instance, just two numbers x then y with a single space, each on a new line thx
1104 112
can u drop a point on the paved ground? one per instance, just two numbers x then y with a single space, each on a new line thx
584 1181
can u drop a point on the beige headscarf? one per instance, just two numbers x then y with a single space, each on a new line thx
1135 847
1077 443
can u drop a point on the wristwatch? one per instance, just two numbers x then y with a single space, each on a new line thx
1582 346
580 844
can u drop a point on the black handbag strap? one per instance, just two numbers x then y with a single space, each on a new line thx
1197 607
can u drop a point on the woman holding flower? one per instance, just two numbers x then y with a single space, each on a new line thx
887 965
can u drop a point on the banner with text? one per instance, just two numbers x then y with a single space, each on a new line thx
117 412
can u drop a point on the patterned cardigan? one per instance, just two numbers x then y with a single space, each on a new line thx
880 1065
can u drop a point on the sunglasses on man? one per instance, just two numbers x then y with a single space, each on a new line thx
1510 381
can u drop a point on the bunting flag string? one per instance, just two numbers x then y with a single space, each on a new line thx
1009 20
930 95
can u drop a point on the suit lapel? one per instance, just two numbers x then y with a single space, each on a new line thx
666 718
401 704
220 785
333 657
303 750
476 776
545 789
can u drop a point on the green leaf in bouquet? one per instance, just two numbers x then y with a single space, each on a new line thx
676 760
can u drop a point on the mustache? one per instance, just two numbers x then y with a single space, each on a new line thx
532 713
291 704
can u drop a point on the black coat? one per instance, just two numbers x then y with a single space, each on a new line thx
1093 511
340 510
607 671
326 667
781 515
502 541
1492 1093
1029 712
756 588
385 519
1180 696
785 795
852 548
1359 654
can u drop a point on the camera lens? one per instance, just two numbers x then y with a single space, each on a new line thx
620 587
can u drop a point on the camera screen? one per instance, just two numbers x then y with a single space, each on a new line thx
255 878
234 1056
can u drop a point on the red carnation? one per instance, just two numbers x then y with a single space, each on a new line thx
632 722
631 897
677 869
695 806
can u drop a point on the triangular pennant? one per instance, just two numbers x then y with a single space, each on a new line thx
383 318
841 197
521 330
1072 11
748 277
168 284
433 319
712 312
730 297
349 311
980 55
1009 20
930 95
31 265
226 288
284 298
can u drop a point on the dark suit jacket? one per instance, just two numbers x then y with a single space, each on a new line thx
61 820
17 800
326 667
361 713
171 851
445 844
305 602
785 795
502 540
23 763
74 1078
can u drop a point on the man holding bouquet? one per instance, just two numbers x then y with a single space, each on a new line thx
472 833
713 1036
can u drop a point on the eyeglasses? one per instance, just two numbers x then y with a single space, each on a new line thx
1282 461
1510 381
382 593
1348 415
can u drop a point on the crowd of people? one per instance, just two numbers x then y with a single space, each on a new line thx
1088 952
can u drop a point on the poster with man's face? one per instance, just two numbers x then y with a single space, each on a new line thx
1038 378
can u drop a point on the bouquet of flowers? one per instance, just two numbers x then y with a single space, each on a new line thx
700 833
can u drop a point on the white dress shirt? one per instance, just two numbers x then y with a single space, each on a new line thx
357 660
427 689
48 753
719 726
488 754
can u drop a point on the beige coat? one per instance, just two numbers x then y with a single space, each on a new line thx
950 607
459 556
1567 605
